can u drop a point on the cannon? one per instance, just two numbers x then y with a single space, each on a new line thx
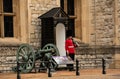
27 56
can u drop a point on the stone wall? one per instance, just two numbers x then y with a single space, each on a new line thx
7 58
103 21
118 18
91 56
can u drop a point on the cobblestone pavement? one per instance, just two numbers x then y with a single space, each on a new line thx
65 74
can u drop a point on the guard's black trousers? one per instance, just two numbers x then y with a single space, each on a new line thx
71 66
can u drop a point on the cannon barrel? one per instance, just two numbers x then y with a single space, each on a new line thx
45 51
40 53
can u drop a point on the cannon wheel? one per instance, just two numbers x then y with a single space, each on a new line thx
55 52
26 58
55 49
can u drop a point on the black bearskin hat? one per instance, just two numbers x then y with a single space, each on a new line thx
69 33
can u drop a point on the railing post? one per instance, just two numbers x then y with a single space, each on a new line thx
77 67
18 71
103 66
49 70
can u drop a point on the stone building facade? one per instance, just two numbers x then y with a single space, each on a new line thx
96 23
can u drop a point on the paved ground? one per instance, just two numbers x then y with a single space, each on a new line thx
65 74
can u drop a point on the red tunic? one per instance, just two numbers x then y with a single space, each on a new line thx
69 46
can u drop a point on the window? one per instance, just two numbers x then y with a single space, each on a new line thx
7 18
68 6
8 26
7 6
13 22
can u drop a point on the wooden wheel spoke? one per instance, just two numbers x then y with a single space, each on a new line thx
29 54
24 67
23 51
22 57
21 68
46 48
30 61
28 65
21 54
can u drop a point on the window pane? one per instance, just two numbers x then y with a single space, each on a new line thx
70 7
62 3
7 5
71 25
8 26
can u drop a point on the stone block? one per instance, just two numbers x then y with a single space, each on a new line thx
117 63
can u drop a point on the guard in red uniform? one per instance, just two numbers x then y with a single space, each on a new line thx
70 49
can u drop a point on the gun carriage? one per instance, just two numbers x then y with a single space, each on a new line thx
27 56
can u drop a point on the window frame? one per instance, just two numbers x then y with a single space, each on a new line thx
15 16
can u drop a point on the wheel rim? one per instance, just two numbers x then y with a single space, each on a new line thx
26 58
